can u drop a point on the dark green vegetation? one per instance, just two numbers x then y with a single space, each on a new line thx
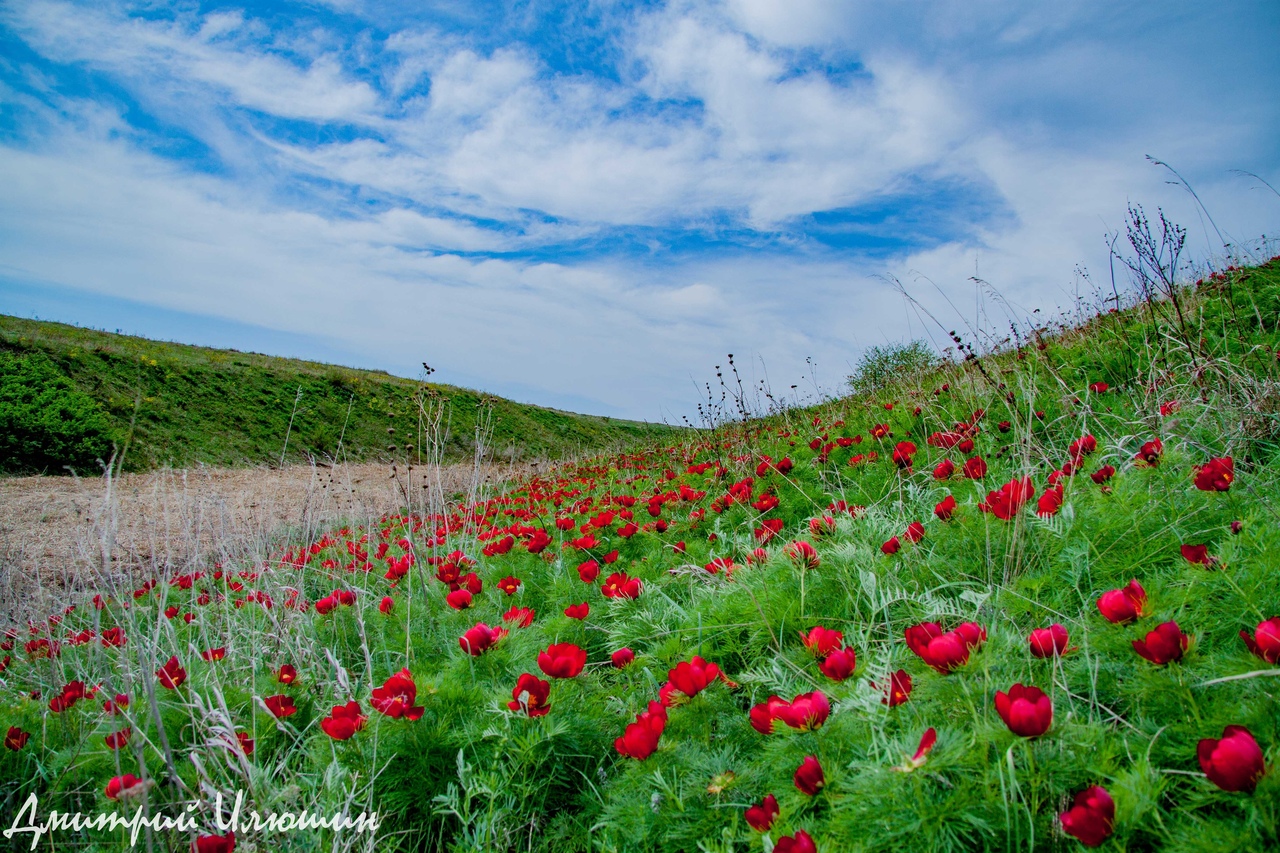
45 421
713 536
69 393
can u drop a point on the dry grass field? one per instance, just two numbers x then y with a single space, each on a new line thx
61 533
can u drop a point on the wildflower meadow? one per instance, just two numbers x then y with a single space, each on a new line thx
1027 598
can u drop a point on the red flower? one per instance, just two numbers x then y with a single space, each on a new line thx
343 721
538 542
1081 447
214 654
1048 642
640 738
914 533
121 785
944 651
891 546
764 714
798 843
1123 605
214 843
944 469
1216 474
915 762
622 658
1027 711
171 675
113 637
822 641
326 605
725 563
562 660
287 674
769 528
280 706
509 585
246 743
898 689
1106 472
1005 503
762 815
1233 763
1050 502
692 677
945 508
72 692
803 553
459 599
902 454
944 439
448 573
530 695
823 525
577 611
805 712
1169 408
589 571
521 617
479 638
1197 554
15 739
115 740
1091 818
1149 454
1265 642
1166 643
396 696
619 585
809 777
839 665
975 468
927 740
1099 387
386 605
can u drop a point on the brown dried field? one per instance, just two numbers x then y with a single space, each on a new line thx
64 533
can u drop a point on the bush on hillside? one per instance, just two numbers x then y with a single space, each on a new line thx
46 424
879 366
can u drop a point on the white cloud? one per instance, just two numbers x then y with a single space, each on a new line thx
187 58
722 114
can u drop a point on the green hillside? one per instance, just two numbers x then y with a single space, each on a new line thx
1025 600
67 394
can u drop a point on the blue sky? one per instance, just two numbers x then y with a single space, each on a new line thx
587 205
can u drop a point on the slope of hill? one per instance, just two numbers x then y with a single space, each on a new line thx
70 392
1027 602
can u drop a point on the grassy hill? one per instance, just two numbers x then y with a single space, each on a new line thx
1026 601
69 393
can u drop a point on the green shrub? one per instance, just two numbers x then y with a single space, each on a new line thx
45 423
880 366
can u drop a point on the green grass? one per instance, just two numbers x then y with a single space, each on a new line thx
472 776
177 405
